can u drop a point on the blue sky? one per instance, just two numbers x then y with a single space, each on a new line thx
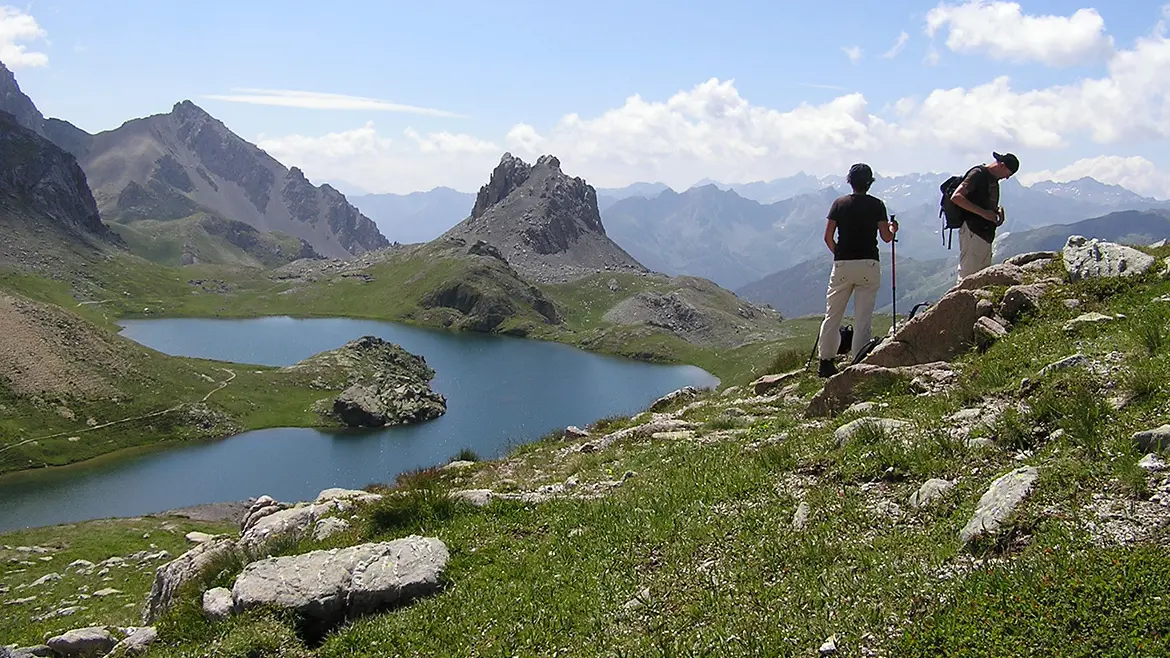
512 71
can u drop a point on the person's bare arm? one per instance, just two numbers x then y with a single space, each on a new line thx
961 200
884 229
830 230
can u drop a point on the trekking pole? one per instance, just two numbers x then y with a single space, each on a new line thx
894 277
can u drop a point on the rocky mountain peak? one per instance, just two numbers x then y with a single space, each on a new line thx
545 223
506 177
15 102
188 111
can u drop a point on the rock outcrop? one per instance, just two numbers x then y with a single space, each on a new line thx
998 503
170 577
20 106
942 332
48 181
170 165
383 384
544 223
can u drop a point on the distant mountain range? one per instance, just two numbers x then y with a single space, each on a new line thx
418 216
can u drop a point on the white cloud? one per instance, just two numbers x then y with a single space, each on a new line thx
378 163
1001 30
1134 173
17 26
853 52
322 101
899 44
711 131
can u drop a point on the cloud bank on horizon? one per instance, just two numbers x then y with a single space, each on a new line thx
712 131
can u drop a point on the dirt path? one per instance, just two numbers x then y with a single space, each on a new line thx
222 385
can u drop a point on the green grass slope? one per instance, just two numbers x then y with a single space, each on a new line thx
691 544
203 238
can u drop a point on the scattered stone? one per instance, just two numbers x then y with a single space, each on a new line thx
932 490
109 591
966 415
80 566
638 602
800 517
1152 463
889 426
329 526
769 383
83 642
169 577
1159 244
861 408
347 495
685 393
1020 260
458 464
1073 361
199 537
644 430
1003 274
1084 258
987 331
731 391
998 502
327 587
574 432
984 308
45 579
218 603
683 435
27 599
1086 319
1154 440
1072 304
136 643
476 497
829 647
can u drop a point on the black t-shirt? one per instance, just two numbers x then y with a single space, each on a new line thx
983 191
857 217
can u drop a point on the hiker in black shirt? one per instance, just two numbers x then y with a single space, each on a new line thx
857 219
978 197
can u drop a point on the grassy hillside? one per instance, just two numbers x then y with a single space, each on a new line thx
752 530
204 238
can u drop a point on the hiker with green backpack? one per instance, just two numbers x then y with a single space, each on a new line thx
970 203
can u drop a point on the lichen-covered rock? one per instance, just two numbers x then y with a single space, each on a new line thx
218 603
930 491
1084 259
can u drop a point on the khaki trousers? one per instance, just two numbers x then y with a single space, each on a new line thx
862 277
974 253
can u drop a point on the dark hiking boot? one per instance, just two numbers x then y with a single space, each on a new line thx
827 368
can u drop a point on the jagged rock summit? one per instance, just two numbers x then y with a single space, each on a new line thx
15 102
170 166
543 222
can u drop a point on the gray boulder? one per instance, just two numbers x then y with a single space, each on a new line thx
328 587
930 491
987 331
329 526
1152 440
684 393
1067 362
998 502
941 333
1003 274
1084 259
218 603
890 426
839 393
171 576
137 643
83 643
769 383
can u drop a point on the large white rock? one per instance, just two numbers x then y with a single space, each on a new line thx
218 603
327 587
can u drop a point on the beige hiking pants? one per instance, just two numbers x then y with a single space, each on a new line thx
974 253
862 277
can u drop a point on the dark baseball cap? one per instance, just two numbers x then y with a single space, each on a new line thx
860 173
1009 159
